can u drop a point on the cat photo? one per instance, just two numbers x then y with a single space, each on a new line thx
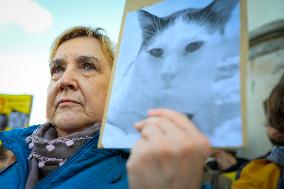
183 55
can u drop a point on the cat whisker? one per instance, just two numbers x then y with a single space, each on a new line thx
204 19
150 32
150 35
160 28
155 24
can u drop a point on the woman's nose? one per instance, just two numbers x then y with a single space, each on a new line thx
68 80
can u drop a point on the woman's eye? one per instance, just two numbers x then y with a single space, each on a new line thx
191 47
56 69
88 66
158 52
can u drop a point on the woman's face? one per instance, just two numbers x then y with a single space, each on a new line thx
77 90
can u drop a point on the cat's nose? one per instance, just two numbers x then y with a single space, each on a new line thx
169 70
168 76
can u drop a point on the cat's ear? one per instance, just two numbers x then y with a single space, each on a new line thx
219 12
149 23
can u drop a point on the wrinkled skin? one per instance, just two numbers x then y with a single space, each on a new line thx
78 87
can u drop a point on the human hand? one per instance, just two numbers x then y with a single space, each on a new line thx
170 153
6 159
224 159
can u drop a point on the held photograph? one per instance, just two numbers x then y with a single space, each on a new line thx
182 55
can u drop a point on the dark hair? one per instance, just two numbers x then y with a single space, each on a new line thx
274 107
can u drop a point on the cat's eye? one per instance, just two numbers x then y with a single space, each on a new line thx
158 52
191 47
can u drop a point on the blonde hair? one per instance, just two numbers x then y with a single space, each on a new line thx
82 31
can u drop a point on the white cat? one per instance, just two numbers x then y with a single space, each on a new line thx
175 68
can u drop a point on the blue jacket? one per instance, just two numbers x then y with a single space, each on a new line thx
89 167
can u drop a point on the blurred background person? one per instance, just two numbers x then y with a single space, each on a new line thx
267 171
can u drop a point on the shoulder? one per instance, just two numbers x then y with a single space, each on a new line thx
16 136
259 173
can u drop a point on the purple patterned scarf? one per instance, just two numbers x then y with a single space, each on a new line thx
50 151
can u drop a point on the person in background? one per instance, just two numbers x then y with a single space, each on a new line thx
227 163
62 153
6 158
266 172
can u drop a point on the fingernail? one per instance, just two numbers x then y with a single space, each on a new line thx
137 125
151 111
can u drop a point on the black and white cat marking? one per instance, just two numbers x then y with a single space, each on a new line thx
175 66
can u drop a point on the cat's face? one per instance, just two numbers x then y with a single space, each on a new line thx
178 65
179 55
178 52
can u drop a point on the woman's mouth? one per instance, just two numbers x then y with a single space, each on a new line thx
66 102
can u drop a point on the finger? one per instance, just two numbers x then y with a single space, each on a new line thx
139 147
140 124
171 136
150 131
167 127
185 124
157 121
178 118
159 131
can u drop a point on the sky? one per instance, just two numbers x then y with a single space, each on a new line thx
27 30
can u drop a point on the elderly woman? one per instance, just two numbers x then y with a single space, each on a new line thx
62 153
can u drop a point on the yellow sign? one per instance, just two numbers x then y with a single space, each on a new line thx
14 111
